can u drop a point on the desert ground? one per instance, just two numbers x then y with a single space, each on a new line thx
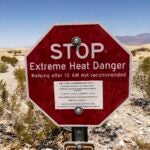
127 129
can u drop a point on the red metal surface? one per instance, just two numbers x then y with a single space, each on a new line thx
115 90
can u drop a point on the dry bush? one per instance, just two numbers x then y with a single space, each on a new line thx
142 145
142 77
142 49
3 67
10 60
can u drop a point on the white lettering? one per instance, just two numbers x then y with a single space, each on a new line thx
96 48
53 49
76 66
112 66
81 52
32 66
42 66
86 51
68 50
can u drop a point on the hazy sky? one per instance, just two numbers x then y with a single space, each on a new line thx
23 22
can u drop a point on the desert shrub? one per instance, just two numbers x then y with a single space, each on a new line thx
16 53
142 49
133 52
33 127
3 91
1 109
10 51
49 125
13 61
19 74
145 66
19 128
29 118
4 94
142 145
14 106
141 57
10 60
27 138
30 105
142 77
3 97
23 134
3 67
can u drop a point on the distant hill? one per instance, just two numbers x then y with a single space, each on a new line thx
135 40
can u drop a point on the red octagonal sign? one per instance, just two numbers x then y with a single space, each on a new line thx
78 74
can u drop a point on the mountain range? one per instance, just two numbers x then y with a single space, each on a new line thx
135 40
139 39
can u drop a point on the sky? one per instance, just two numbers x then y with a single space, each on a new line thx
24 22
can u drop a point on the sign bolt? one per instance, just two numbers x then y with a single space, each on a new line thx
78 110
76 41
79 147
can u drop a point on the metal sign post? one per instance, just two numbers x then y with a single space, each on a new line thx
80 134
